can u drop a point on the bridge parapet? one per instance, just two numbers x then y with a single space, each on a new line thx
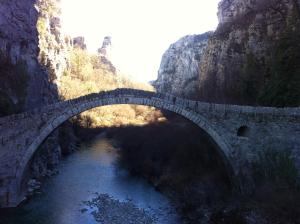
196 106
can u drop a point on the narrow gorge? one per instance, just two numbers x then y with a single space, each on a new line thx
252 57
214 139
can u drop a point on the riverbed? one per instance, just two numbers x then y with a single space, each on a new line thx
90 189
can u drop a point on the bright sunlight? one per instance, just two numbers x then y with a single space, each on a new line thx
141 30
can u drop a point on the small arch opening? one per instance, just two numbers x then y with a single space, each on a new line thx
243 131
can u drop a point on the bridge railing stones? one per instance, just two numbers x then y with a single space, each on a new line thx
196 106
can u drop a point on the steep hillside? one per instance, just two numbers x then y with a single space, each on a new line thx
53 43
252 58
23 81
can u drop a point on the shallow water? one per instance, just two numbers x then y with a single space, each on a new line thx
81 175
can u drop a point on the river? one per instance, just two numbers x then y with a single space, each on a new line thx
83 176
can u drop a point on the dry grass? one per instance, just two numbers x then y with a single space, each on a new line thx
88 74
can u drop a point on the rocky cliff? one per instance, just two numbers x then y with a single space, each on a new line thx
252 58
79 42
105 54
53 43
54 50
31 59
179 69
23 82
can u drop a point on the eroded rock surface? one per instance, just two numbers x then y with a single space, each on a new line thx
249 43
251 58
23 82
179 70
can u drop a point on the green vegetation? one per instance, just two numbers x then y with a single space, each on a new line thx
275 166
277 194
273 78
282 87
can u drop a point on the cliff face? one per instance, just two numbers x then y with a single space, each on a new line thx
106 48
23 82
105 54
54 45
253 57
178 72
32 57
79 42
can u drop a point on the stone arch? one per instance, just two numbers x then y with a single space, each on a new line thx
75 107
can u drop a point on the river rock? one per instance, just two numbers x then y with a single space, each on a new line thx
111 211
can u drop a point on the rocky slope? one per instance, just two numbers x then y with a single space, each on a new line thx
53 43
178 72
31 60
252 58
54 49
23 82
105 54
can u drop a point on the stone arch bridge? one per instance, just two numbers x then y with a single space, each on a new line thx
239 132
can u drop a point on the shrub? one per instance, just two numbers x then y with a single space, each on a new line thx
48 7
275 166
81 66
88 74
41 26
282 88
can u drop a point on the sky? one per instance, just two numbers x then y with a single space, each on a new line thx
141 30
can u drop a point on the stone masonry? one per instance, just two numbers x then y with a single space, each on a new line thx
239 132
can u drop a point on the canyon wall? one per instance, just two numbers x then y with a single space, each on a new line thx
33 55
252 57
54 45
179 69
24 83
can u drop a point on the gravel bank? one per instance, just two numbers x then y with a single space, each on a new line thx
107 210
